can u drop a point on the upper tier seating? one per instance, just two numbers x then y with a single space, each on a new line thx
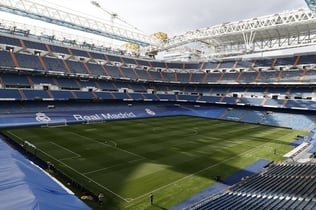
5 59
58 49
28 61
286 61
113 71
35 94
174 65
10 41
80 53
54 64
264 63
15 80
307 59
35 45
76 67
10 94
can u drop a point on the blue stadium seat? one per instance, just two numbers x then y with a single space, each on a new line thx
264 62
106 85
143 74
10 94
15 80
113 58
248 77
54 64
35 45
142 63
62 94
96 69
192 66
129 60
84 95
156 75
136 96
129 73
227 64
104 95
168 76
244 64
35 94
28 61
80 53
286 61
5 59
183 77
76 67
187 98
307 59
198 77
59 49
158 64
10 41
113 71
174 65
229 77
213 77
68 83
97 55
209 65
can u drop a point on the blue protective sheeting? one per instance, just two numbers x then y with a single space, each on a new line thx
109 113
313 149
24 185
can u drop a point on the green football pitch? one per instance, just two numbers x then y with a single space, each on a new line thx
172 157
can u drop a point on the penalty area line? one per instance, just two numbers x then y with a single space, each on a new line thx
113 166
107 145
100 185
76 155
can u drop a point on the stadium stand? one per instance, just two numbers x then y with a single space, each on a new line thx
61 79
6 61
278 187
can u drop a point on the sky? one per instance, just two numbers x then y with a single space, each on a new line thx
174 17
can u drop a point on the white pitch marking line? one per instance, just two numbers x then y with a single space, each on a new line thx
113 166
105 188
76 154
131 153
204 169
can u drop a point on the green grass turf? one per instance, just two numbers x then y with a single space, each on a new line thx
173 157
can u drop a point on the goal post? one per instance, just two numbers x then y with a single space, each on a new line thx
60 123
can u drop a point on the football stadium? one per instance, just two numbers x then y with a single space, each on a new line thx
99 115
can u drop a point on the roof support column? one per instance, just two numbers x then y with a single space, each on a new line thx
248 39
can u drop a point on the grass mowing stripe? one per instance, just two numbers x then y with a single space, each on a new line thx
107 145
105 188
168 150
202 170
76 154
110 167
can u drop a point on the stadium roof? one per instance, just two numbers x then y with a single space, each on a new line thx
38 11
274 32
278 31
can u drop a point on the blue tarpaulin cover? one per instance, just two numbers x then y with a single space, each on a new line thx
24 185
313 149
